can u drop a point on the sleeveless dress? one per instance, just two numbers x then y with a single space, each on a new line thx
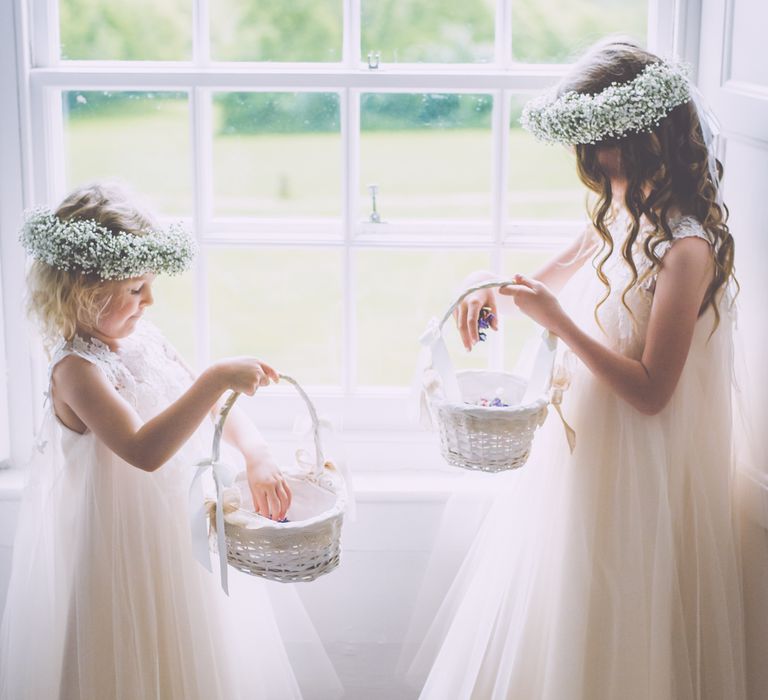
610 572
105 599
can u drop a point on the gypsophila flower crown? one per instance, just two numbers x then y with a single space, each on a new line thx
86 246
620 109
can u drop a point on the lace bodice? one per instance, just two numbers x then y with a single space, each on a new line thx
146 370
627 328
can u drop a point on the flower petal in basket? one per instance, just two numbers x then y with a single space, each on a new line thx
310 504
476 384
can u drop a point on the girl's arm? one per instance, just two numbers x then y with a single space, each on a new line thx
269 490
648 383
554 274
86 391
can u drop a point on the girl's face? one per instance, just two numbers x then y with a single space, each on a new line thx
129 299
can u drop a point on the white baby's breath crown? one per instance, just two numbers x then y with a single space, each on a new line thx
620 109
84 245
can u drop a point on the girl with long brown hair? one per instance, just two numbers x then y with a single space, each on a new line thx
610 571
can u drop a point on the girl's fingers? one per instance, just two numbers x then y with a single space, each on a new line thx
473 312
461 322
285 499
526 281
271 372
495 316
260 502
273 501
509 290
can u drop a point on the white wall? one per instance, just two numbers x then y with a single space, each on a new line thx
733 73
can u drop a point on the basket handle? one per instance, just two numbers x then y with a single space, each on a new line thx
233 396
222 477
467 292
433 339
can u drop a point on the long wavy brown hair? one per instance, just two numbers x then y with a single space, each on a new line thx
666 170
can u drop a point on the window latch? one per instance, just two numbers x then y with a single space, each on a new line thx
374 58
374 217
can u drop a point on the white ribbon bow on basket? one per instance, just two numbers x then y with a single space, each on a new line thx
223 476
434 374
561 381
303 427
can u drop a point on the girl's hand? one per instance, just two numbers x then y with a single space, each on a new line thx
536 301
245 374
269 489
467 312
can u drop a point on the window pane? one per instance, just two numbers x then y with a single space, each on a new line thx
139 30
398 291
543 183
283 306
414 31
557 31
173 311
277 154
141 138
428 155
264 30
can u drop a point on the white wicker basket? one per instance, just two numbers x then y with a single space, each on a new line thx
308 545
486 438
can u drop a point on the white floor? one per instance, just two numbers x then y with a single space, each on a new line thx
362 609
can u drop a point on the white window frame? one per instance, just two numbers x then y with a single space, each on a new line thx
41 76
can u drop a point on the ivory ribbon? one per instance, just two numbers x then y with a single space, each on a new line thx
432 338
223 476
561 380
434 373
331 446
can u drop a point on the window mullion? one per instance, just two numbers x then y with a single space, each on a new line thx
114 76
201 33
500 144
202 187
17 387
44 32
352 33
500 139
47 115
662 25
504 34
350 132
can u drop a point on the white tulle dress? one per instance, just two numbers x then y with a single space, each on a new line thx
610 573
106 601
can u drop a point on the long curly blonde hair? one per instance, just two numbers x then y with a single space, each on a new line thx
60 300
667 173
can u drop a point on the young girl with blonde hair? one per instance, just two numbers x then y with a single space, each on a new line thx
105 599
612 571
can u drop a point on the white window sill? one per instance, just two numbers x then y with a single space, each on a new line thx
436 484
369 486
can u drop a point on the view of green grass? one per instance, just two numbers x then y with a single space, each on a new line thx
440 31
285 305
143 140
420 173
